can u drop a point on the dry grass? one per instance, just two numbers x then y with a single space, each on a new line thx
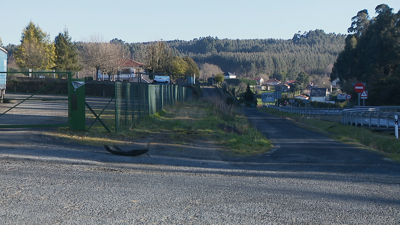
184 123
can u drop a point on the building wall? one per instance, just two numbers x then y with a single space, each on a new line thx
318 99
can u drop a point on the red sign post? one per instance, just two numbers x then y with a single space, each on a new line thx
348 97
359 88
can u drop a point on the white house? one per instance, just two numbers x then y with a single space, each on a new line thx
272 82
259 80
318 95
335 83
229 75
128 70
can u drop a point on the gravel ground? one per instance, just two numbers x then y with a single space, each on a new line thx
306 179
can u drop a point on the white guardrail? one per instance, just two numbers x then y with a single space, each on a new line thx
373 116
310 110
385 117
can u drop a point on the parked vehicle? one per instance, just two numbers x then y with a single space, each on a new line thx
161 80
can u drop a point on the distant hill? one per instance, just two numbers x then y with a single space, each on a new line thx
313 52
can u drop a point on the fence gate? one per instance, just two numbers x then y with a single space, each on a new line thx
36 99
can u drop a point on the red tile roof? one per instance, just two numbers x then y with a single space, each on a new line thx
131 63
272 80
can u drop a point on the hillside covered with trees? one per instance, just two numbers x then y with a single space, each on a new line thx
313 52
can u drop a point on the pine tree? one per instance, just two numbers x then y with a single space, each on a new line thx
248 95
66 53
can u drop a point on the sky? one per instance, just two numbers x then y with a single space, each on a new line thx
153 20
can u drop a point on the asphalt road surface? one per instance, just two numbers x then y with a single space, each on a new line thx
307 178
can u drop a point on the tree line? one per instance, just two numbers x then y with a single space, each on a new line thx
372 56
312 52
38 52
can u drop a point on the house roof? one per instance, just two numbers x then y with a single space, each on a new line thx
272 81
302 97
291 81
256 78
318 92
131 63
229 74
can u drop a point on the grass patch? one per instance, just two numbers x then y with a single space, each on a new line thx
359 136
183 124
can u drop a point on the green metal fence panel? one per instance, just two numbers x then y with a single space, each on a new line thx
135 100
35 99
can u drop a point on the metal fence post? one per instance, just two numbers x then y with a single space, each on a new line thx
161 97
117 105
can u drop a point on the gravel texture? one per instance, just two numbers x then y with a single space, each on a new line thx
307 178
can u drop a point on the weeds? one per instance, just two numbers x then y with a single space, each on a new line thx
183 123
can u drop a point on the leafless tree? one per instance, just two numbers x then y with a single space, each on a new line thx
240 89
114 60
101 55
207 70
158 57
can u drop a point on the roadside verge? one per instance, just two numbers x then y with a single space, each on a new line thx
357 136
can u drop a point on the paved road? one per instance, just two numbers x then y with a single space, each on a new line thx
309 178
301 149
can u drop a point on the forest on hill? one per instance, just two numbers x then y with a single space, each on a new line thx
313 52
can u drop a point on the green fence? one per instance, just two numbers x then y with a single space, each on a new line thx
135 100
35 99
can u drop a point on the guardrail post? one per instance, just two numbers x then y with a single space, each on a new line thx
355 120
352 119
343 115
396 125
362 117
387 120
379 120
370 119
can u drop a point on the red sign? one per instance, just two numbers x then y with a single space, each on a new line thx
348 97
359 87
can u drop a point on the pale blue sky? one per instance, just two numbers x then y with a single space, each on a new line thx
151 20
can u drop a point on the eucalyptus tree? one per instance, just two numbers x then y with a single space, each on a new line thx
372 55
158 57
178 67
191 67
